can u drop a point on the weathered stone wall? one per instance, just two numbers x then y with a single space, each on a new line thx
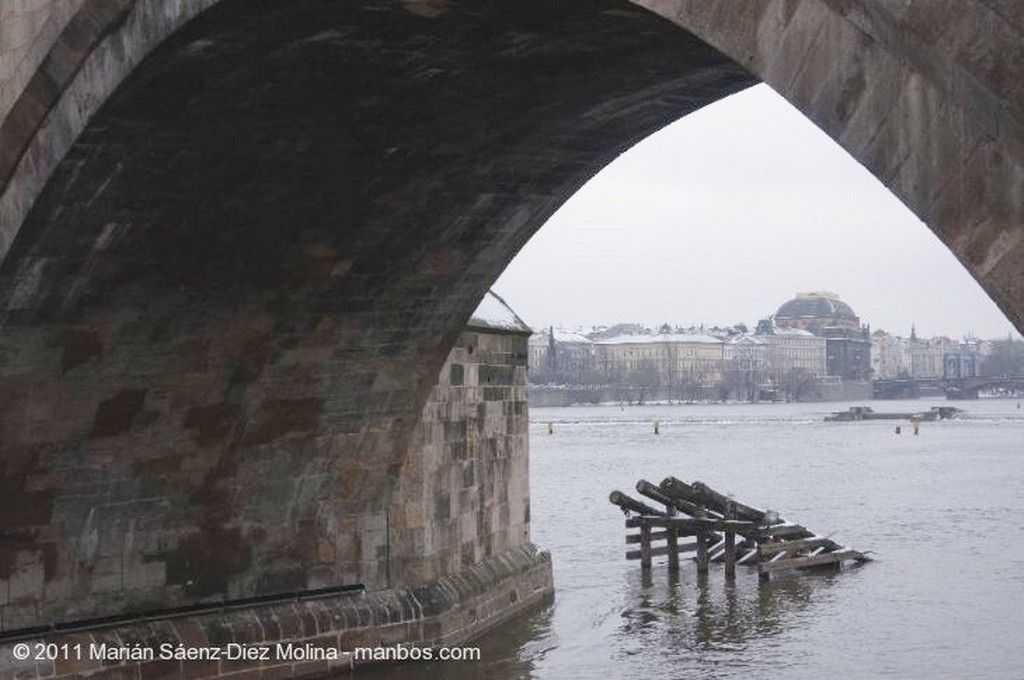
28 28
445 612
223 315
462 497
136 516
457 529
65 58
234 274
464 494
928 96
925 95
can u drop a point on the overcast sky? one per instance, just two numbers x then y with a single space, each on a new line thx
726 214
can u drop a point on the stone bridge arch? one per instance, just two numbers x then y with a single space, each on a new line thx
240 237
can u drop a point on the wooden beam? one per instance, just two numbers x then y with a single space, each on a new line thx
661 551
788 531
730 555
796 545
691 526
645 546
657 493
802 562
730 543
672 540
655 536
645 488
750 555
702 554
743 545
678 489
685 498
626 503
721 503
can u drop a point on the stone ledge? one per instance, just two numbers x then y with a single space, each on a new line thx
451 610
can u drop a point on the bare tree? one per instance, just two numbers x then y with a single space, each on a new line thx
1005 359
692 385
799 383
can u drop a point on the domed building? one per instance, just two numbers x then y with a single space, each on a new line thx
847 343
816 312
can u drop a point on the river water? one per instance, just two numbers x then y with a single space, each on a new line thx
942 511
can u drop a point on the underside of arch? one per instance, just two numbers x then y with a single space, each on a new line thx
224 312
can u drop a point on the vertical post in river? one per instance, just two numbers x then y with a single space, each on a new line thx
702 545
730 544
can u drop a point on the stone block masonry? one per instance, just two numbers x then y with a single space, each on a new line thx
463 494
303 637
218 327
457 529
28 29
242 241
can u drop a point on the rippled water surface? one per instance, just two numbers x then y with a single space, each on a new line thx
943 512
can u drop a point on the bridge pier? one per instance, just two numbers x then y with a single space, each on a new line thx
452 549
237 249
294 637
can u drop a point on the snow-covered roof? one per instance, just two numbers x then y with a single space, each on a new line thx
540 337
494 314
782 330
661 338
745 339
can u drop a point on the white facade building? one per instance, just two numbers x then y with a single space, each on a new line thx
890 356
790 351
688 366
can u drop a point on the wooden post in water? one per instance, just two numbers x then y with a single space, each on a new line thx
730 545
762 575
672 538
645 546
702 546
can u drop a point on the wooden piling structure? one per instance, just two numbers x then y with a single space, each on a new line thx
730 545
672 533
716 521
702 545
645 547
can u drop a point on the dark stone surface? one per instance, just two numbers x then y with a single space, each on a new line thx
224 313
94 20
348 620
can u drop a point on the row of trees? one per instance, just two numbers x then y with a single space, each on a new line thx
1006 358
647 381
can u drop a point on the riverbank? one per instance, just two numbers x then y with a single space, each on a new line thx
544 396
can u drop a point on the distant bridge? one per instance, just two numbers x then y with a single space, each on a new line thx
954 388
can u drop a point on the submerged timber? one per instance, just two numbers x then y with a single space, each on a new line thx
715 521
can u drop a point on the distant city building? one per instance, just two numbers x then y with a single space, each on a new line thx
560 356
848 354
791 351
816 312
890 356
814 347
928 357
894 357
848 343
964 361
744 360
686 366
